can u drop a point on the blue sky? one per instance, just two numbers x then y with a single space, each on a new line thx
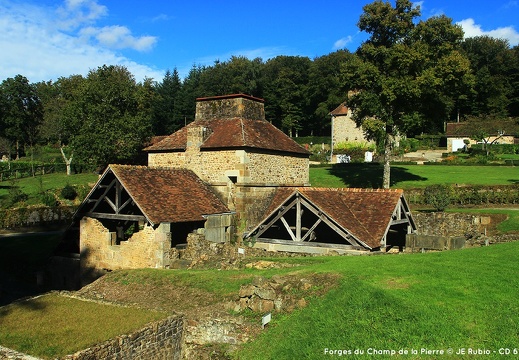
47 39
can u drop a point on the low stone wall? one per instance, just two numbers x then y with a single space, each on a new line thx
451 224
447 231
158 340
200 252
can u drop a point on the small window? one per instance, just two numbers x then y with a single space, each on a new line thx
234 179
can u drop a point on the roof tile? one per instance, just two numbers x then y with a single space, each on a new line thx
168 195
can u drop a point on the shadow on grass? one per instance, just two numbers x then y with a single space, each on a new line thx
370 175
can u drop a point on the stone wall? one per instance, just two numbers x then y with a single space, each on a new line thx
159 340
147 248
451 224
229 107
345 130
448 231
217 167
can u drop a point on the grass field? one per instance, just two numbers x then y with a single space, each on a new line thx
32 186
464 299
53 326
412 176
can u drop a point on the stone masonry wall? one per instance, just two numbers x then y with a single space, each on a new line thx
158 340
230 107
145 249
450 224
174 160
345 130
215 167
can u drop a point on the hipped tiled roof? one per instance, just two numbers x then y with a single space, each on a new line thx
168 195
365 213
342 109
233 133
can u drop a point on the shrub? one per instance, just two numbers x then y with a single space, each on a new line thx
439 196
48 199
14 196
68 192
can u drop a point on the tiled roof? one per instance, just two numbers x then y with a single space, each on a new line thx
365 213
492 127
342 109
168 195
233 133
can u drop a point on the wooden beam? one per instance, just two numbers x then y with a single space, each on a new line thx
283 211
306 243
311 229
112 205
98 215
108 187
299 214
289 230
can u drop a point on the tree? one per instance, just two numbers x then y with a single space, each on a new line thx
166 110
61 113
400 68
326 89
113 117
492 62
285 81
22 111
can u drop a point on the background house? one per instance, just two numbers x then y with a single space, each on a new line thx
345 130
501 131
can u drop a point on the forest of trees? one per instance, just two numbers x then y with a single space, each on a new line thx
412 76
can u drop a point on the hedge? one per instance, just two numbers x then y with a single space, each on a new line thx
472 195
35 216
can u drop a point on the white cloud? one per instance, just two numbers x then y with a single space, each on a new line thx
341 43
472 29
118 37
34 47
76 13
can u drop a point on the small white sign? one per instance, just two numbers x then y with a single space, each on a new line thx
265 320
241 251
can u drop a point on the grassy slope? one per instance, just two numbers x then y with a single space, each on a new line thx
457 299
50 182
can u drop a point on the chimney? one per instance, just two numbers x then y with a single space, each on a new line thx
230 107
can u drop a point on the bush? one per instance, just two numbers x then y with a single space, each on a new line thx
439 196
14 196
48 199
68 192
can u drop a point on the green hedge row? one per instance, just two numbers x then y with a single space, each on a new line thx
471 195
35 216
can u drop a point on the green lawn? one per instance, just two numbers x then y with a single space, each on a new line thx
53 326
412 176
32 186
450 300
445 300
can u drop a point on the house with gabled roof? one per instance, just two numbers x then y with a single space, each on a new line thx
461 134
135 215
345 130
322 219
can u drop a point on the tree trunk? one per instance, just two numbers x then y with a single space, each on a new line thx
68 161
387 157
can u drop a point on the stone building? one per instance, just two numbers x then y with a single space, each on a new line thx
461 134
345 130
135 215
232 147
